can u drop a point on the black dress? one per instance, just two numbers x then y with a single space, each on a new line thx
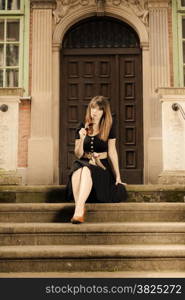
104 189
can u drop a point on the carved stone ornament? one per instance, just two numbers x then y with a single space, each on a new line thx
140 9
100 7
136 7
63 6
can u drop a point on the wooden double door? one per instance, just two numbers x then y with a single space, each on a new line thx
116 74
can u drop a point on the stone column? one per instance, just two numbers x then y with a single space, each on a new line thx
173 134
160 77
40 146
146 96
56 109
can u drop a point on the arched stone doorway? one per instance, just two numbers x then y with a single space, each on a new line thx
102 55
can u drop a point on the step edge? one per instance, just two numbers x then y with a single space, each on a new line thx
95 251
129 227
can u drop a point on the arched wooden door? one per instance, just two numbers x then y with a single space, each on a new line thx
102 56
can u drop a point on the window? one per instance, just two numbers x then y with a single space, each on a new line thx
11 42
9 52
10 4
183 46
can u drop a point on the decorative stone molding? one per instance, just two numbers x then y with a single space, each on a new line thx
166 92
43 4
64 6
28 98
145 45
158 3
11 91
56 47
87 11
100 7
139 8
135 7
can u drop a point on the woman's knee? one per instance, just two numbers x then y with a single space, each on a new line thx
86 170
86 173
77 173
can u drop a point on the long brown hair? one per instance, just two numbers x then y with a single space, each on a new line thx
106 119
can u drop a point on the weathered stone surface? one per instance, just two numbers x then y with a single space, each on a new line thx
9 178
172 177
101 274
9 133
90 258
96 213
54 194
114 233
134 236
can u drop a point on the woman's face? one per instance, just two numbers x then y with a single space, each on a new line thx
96 113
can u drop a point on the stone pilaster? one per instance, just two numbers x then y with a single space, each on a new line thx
40 146
56 109
146 96
159 77
159 57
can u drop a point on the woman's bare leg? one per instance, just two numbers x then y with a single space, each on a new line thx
84 191
75 179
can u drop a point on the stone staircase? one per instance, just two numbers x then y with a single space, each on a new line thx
145 234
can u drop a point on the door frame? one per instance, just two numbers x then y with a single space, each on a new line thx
58 35
93 52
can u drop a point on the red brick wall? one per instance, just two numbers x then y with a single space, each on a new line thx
24 132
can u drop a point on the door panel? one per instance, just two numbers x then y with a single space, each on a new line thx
83 77
131 120
117 76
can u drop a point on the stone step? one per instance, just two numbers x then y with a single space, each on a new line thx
92 258
109 212
56 194
125 274
143 233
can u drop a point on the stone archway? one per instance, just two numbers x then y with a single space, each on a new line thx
102 56
65 22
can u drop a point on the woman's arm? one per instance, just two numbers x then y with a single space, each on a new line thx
79 143
113 155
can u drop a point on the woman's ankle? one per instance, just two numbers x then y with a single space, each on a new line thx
79 211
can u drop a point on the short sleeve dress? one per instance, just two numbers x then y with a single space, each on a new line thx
104 189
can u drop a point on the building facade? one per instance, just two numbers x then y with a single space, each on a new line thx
55 55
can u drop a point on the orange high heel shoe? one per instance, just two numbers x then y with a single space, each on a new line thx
78 219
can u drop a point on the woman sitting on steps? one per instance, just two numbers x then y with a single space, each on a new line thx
93 178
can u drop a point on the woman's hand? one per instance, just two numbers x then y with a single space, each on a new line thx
96 155
118 180
82 133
